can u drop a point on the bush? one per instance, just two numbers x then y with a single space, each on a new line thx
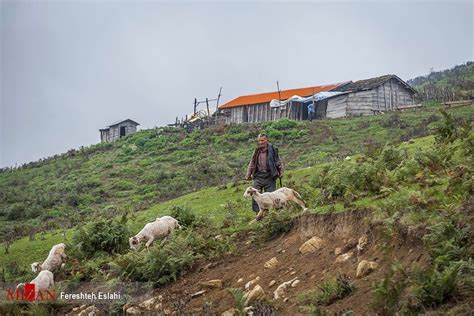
447 242
433 288
446 132
275 224
103 235
328 292
185 216
161 265
387 292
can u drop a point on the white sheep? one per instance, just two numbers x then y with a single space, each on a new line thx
54 260
43 281
273 200
160 228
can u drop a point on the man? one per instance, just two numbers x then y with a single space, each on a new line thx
311 111
264 167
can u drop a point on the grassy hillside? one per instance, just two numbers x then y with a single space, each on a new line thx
456 83
152 166
424 185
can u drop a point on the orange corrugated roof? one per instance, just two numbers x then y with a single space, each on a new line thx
284 94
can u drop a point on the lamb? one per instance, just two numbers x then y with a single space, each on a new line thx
275 199
160 228
43 281
54 260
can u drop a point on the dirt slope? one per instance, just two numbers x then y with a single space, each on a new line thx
336 230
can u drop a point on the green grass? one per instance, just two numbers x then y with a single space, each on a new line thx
209 203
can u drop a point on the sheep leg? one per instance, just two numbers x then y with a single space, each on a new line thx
260 214
298 201
149 242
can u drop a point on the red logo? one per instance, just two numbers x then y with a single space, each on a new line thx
29 294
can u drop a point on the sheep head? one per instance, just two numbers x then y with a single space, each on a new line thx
250 192
36 267
134 243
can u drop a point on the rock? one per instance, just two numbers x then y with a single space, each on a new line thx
271 263
344 257
337 251
198 293
365 267
217 283
133 311
272 283
248 242
240 280
363 241
292 272
348 245
285 299
251 283
219 237
347 158
75 309
150 304
280 291
230 312
312 245
256 294
295 283
82 313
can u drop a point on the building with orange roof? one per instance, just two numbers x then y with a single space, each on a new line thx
361 97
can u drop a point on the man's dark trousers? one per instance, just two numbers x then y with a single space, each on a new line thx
263 182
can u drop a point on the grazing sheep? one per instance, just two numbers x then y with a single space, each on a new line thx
43 281
53 262
160 228
273 200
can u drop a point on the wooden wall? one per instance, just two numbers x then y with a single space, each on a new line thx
261 113
113 132
337 107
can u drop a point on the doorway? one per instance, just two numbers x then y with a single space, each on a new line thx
122 131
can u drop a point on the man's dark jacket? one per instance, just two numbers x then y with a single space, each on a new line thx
274 162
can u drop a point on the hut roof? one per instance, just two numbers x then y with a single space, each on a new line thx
121 121
284 94
371 83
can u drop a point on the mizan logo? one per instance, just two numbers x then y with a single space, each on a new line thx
29 293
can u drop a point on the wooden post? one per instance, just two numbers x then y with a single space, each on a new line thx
218 98
207 105
195 105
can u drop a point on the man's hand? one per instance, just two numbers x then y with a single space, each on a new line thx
248 178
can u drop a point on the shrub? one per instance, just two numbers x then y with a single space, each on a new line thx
161 265
103 235
433 287
446 132
447 242
185 216
387 292
281 124
275 224
328 292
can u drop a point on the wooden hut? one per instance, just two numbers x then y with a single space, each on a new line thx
371 96
362 97
117 130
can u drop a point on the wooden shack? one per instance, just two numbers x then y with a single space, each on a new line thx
362 97
117 130
370 96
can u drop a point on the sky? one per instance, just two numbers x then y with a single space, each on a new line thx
69 68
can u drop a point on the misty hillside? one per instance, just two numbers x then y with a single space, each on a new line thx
456 83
